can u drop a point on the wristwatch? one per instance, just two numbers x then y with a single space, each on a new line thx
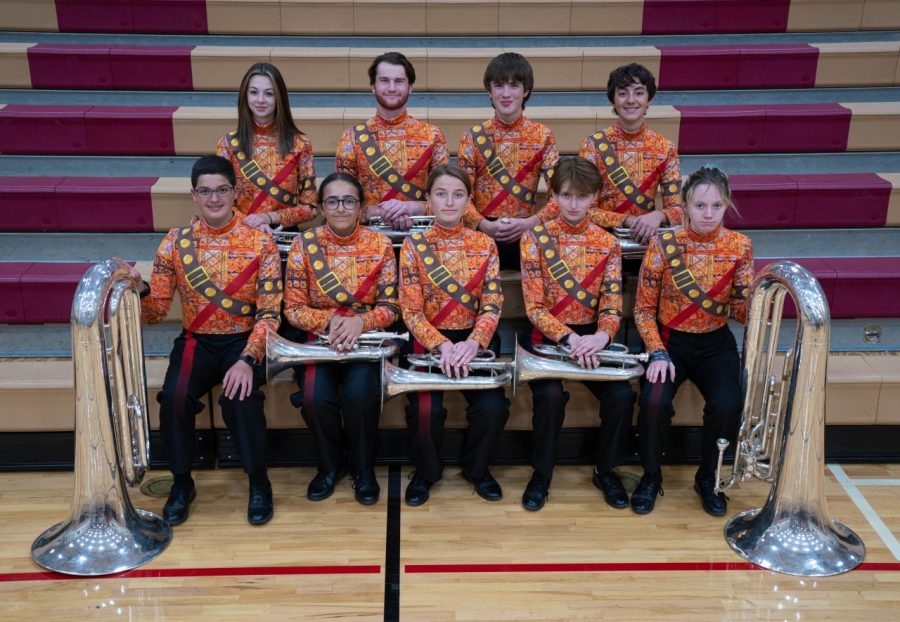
248 359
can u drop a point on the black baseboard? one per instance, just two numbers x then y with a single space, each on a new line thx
23 451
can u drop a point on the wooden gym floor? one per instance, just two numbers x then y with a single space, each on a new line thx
455 558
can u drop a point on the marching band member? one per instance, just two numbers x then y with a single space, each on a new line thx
341 278
228 276
572 284
690 283
505 157
634 160
392 153
272 159
451 299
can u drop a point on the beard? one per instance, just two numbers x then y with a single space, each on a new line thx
391 106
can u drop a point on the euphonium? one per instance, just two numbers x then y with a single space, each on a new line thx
104 533
396 380
554 362
781 438
282 353
631 248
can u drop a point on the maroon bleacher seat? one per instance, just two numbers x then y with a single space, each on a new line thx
764 201
12 310
151 67
698 66
43 130
94 16
841 200
148 16
105 204
29 203
819 268
866 287
791 65
165 16
65 66
806 127
48 290
708 16
721 129
130 130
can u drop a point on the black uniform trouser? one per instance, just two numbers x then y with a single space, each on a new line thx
196 365
486 413
340 404
711 361
549 403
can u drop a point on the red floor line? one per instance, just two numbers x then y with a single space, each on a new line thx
610 567
198 572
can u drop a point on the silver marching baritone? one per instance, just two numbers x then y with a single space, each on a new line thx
631 248
104 533
420 224
282 353
554 362
781 438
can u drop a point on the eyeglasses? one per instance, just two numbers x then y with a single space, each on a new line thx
348 203
221 192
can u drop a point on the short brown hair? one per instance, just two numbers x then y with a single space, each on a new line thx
451 170
392 58
626 75
509 67
580 173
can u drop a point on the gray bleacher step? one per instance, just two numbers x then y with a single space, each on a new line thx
76 247
180 166
54 340
474 99
401 42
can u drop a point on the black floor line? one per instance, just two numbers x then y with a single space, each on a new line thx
392 548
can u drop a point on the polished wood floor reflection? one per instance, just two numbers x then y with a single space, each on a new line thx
460 558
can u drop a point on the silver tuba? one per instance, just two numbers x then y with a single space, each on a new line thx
105 534
282 353
781 438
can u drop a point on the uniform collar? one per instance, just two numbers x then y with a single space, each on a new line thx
580 227
398 120
508 127
703 237
448 233
631 135
334 238
205 228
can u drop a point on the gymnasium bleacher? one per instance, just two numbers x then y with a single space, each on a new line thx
104 105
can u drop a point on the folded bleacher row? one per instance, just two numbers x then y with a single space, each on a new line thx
803 101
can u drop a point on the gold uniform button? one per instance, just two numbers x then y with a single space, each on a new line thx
492 286
480 140
598 136
550 173
309 235
707 304
210 291
405 187
280 285
609 161
260 181
477 128
313 248
640 199
604 147
417 236
429 261
228 303
318 264
544 239
389 290
629 189
720 309
675 263
184 243
670 248
185 231
569 283
667 235
693 293
268 286
465 298
360 128
341 297
392 178
370 151
273 191
613 288
188 260
245 309
504 179
549 254
580 295
673 187
418 194
528 196
517 189
364 138
594 302
242 155
452 288
488 153
421 248
539 228
234 142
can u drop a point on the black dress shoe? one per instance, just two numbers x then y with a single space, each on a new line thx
613 490
322 485
260 507
175 511
486 487
417 492
536 493
644 496
714 504
365 487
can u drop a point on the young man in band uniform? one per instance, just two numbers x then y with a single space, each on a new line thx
228 276
505 157
634 160
392 153
572 285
